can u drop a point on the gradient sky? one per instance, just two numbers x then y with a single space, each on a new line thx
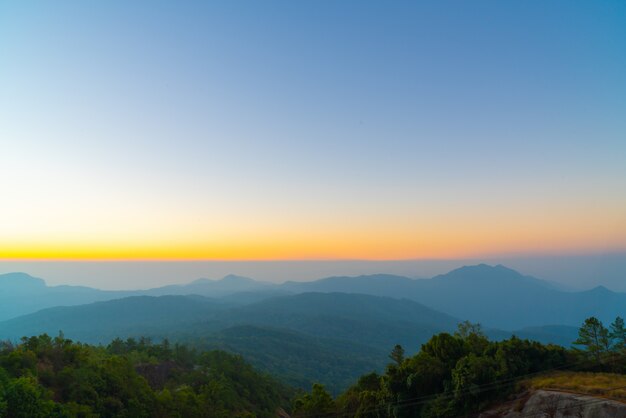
311 130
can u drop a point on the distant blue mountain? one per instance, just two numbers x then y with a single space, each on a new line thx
495 296
23 294
214 288
370 320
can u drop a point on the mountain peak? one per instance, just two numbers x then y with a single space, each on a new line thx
600 290
19 279
481 271
233 278
228 279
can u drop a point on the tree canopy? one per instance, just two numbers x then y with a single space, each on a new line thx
55 377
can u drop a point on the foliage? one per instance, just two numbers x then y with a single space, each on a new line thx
451 375
46 377
296 359
594 337
460 374
618 335
397 354
317 402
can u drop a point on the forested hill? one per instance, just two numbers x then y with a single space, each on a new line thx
327 337
45 377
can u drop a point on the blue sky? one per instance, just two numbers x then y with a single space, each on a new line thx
272 130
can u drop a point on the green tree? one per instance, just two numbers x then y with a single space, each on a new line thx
397 354
467 328
446 348
470 376
473 336
618 334
318 402
25 399
594 337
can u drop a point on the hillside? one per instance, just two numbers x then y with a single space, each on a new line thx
494 296
21 294
331 338
228 285
102 321
375 321
294 358
370 320
327 337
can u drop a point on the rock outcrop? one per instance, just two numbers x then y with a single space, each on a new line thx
554 404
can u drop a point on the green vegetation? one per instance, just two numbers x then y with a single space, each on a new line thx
296 359
55 377
602 347
451 375
455 375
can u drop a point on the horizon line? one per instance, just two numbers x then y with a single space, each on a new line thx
320 259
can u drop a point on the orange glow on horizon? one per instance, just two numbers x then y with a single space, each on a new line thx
368 234
372 249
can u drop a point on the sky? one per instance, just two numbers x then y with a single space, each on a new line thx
311 130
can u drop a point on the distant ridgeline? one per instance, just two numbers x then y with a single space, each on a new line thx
494 296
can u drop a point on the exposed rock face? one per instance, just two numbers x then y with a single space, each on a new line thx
551 404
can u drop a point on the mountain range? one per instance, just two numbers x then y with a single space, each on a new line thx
494 296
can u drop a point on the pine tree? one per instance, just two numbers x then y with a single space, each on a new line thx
397 354
618 334
595 337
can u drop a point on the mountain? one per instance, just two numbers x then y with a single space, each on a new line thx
228 285
100 322
22 294
302 338
331 337
297 359
562 335
375 284
371 320
495 296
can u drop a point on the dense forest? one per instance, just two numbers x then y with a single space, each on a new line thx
460 374
55 377
451 375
